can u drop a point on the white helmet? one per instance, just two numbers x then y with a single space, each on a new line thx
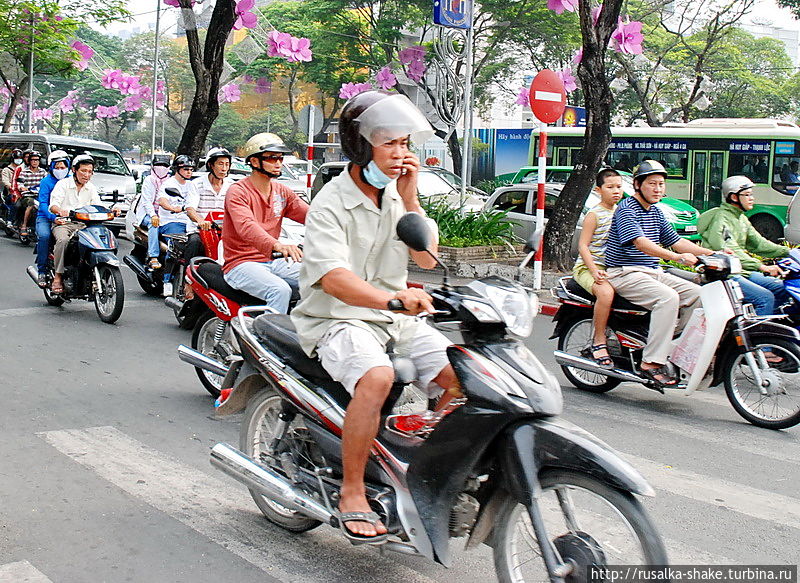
735 185
57 156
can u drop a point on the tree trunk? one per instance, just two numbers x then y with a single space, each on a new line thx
21 90
207 64
455 152
598 102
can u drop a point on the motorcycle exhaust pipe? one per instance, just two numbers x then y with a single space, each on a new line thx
566 359
33 273
137 267
256 477
200 360
173 303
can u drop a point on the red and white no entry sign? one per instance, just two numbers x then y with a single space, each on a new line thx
548 98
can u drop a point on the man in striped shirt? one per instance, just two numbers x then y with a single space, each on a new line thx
640 235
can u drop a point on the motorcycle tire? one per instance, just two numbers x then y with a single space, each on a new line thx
576 336
53 299
154 289
109 301
203 341
766 411
576 547
261 415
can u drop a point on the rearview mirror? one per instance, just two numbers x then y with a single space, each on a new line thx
414 232
172 192
535 241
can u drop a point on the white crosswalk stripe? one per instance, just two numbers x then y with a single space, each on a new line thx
21 572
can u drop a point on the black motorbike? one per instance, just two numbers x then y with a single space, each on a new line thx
12 215
496 465
91 266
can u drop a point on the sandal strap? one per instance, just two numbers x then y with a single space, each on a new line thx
371 517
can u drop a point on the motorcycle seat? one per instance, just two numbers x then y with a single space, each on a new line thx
277 333
211 272
573 288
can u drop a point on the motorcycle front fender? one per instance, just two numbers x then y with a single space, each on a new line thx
100 257
540 444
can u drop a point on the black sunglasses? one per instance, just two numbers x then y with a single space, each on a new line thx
272 158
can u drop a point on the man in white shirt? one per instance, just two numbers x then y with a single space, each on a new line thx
69 194
174 209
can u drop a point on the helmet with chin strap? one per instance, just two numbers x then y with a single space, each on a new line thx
182 161
57 156
264 142
647 168
215 154
735 185
81 160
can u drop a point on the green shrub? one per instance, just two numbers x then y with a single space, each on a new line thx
489 186
460 229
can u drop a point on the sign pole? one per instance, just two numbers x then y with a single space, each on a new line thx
155 84
540 196
466 149
310 150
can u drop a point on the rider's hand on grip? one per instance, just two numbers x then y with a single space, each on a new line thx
415 300
290 252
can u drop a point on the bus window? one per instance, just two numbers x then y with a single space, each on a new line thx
563 157
786 176
756 168
674 162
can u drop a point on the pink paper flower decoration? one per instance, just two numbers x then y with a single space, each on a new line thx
628 38
247 79
69 102
38 114
416 70
596 14
85 52
348 90
279 44
524 97
385 78
161 99
230 93
568 79
145 93
411 54
103 111
177 4
110 79
559 6
300 50
578 57
245 18
132 103
263 85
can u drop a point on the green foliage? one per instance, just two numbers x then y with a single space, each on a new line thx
490 185
460 229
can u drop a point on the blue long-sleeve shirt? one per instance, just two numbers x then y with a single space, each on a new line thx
45 188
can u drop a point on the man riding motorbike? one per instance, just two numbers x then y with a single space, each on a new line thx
638 231
727 227
28 183
254 210
68 195
58 164
174 211
147 206
212 189
353 267
8 174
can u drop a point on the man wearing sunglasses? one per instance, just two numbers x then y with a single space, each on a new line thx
727 227
254 210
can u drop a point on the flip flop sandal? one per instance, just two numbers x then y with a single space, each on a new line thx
154 264
772 358
57 290
603 361
358 539
652 374
42 280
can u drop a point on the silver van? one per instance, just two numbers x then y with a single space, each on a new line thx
112 177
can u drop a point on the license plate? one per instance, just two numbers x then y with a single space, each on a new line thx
691 228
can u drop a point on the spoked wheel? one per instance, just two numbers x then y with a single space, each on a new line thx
577 337
258 431
110 298
588 523
209 333
776 405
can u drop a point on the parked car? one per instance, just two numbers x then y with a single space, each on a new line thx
433 182
112 177
520 202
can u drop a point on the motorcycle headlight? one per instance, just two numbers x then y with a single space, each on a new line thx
482 311
516 307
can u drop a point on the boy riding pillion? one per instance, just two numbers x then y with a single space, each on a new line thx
640 235
353 266
589 270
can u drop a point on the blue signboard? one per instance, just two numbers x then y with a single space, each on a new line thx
453 13
750 146
659 145
511 150
784 148
573 117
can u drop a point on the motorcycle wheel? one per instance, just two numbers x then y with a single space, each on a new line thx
203 341
578 335
257 431
52 299
109 301
150 288
588 523
778 411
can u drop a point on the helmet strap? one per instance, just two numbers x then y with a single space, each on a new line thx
261 170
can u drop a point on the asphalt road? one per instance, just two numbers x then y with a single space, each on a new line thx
105 475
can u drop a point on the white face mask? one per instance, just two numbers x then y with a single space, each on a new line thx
160 172
17 161
60 173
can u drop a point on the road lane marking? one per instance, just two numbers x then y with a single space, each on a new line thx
66 308
223 511
21 572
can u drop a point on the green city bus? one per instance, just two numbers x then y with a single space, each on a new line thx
699 155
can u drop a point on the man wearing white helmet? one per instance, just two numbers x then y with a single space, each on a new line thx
353 267
254 211
212 189
727 227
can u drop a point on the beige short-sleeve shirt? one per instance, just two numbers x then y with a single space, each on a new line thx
345 229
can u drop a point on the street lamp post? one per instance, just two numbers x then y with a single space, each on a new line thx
466 150
155 82
29 122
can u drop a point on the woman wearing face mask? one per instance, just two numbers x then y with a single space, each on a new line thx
58 167
147 210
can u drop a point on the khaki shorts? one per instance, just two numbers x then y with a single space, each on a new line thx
347 352
583 276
